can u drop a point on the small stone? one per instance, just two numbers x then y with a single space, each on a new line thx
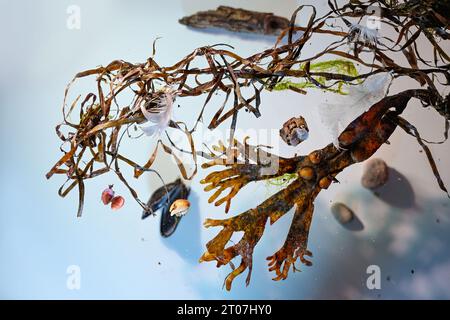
342 213
294 131
376 174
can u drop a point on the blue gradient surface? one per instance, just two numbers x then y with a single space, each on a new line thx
122 257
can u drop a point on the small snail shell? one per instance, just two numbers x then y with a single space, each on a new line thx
179 207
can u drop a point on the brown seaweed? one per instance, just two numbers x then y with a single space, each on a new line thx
322 168
92 139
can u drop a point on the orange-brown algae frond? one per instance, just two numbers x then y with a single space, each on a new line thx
206 257
232 275
316 172
281 262
296 243
241 168
222 180
252 222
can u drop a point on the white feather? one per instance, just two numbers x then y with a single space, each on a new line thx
161 114
363 34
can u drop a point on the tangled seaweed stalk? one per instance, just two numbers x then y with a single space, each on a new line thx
93 141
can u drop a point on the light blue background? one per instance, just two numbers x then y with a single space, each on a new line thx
118 253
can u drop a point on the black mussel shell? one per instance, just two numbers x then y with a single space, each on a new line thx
162 199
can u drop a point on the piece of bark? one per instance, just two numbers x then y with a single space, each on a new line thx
237 20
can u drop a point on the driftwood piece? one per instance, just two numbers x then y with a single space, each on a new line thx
237 20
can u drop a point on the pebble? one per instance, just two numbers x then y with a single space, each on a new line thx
376 174
342 213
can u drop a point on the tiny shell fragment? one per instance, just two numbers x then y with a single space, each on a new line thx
117 202
376 174
294 131
179 208
342 213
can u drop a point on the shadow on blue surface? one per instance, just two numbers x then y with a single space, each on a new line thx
186 239
397 192
246 36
